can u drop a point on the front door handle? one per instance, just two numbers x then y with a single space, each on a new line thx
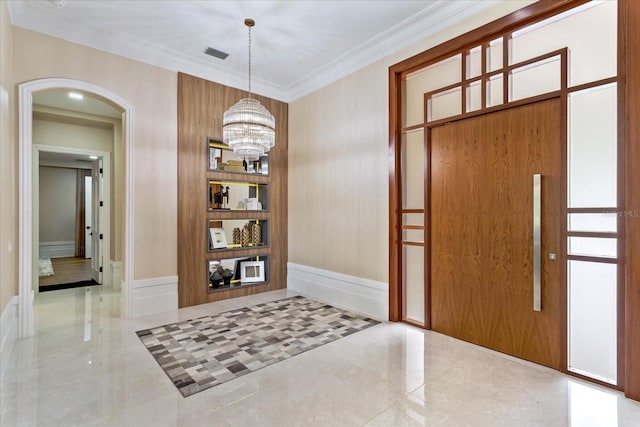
537 241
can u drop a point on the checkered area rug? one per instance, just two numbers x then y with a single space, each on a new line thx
204 352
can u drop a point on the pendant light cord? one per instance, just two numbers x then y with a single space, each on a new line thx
249 61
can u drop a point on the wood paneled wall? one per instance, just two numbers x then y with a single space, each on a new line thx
630 127
201 104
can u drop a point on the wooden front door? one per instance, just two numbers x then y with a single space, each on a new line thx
481 214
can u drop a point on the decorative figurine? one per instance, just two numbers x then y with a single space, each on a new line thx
221 198
226 277
215 278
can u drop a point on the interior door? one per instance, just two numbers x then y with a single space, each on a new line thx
96 220
481 226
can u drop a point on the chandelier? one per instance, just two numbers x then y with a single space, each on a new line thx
247 127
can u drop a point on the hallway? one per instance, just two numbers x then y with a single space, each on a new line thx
67 270
86 367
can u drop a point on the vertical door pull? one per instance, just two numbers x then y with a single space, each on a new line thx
537 190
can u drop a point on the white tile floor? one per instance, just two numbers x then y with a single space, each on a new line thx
86 367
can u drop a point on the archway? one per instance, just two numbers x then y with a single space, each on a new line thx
25 206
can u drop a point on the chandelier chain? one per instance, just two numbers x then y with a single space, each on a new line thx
249 62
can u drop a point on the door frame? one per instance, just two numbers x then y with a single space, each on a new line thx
25 198
106 156
500 28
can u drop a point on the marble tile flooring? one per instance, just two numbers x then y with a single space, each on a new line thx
86 367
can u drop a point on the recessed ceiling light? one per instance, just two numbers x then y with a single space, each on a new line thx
93 157
75 95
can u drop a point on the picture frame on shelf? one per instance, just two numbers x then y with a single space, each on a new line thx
217 238
252 272
236 269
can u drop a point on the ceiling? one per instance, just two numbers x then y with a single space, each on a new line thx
297 46
60 99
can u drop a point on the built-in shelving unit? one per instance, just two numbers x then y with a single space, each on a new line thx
232 215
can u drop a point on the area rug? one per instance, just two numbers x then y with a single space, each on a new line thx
204 352
81 284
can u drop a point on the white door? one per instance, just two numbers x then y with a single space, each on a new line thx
87 216
97 241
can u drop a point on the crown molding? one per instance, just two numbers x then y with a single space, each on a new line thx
420 26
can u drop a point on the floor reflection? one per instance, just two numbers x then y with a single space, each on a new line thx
86 367
591 406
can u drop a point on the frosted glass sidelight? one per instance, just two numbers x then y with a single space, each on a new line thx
413 282
589 31
474 96
495 90
535 79
597 222
413 235
440 74
593 147
413 219
473 63
593 320
412 157
593 246
494 55
445 104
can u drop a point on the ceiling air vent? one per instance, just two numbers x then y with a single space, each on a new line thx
217 53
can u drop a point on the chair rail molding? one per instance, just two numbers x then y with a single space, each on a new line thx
365 296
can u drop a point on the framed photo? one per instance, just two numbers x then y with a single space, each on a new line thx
251 271
217 238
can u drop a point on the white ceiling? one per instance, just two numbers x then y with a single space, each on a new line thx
88 104
298 46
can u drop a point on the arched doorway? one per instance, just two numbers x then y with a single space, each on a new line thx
25 239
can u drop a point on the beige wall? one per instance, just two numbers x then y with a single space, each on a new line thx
47 132
8 161
152 92
339 165
57 204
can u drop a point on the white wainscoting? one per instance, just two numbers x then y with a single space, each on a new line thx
365 296
116 274
8 332
151 296
57 249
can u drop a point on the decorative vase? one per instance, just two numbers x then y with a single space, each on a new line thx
256 235
246 235
215 279
237 236
226 277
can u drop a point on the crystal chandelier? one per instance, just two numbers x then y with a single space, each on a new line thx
248 128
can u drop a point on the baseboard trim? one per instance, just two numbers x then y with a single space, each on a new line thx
8 332
156 295
57 249
361 295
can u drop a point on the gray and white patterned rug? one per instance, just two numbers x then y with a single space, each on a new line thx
210 350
